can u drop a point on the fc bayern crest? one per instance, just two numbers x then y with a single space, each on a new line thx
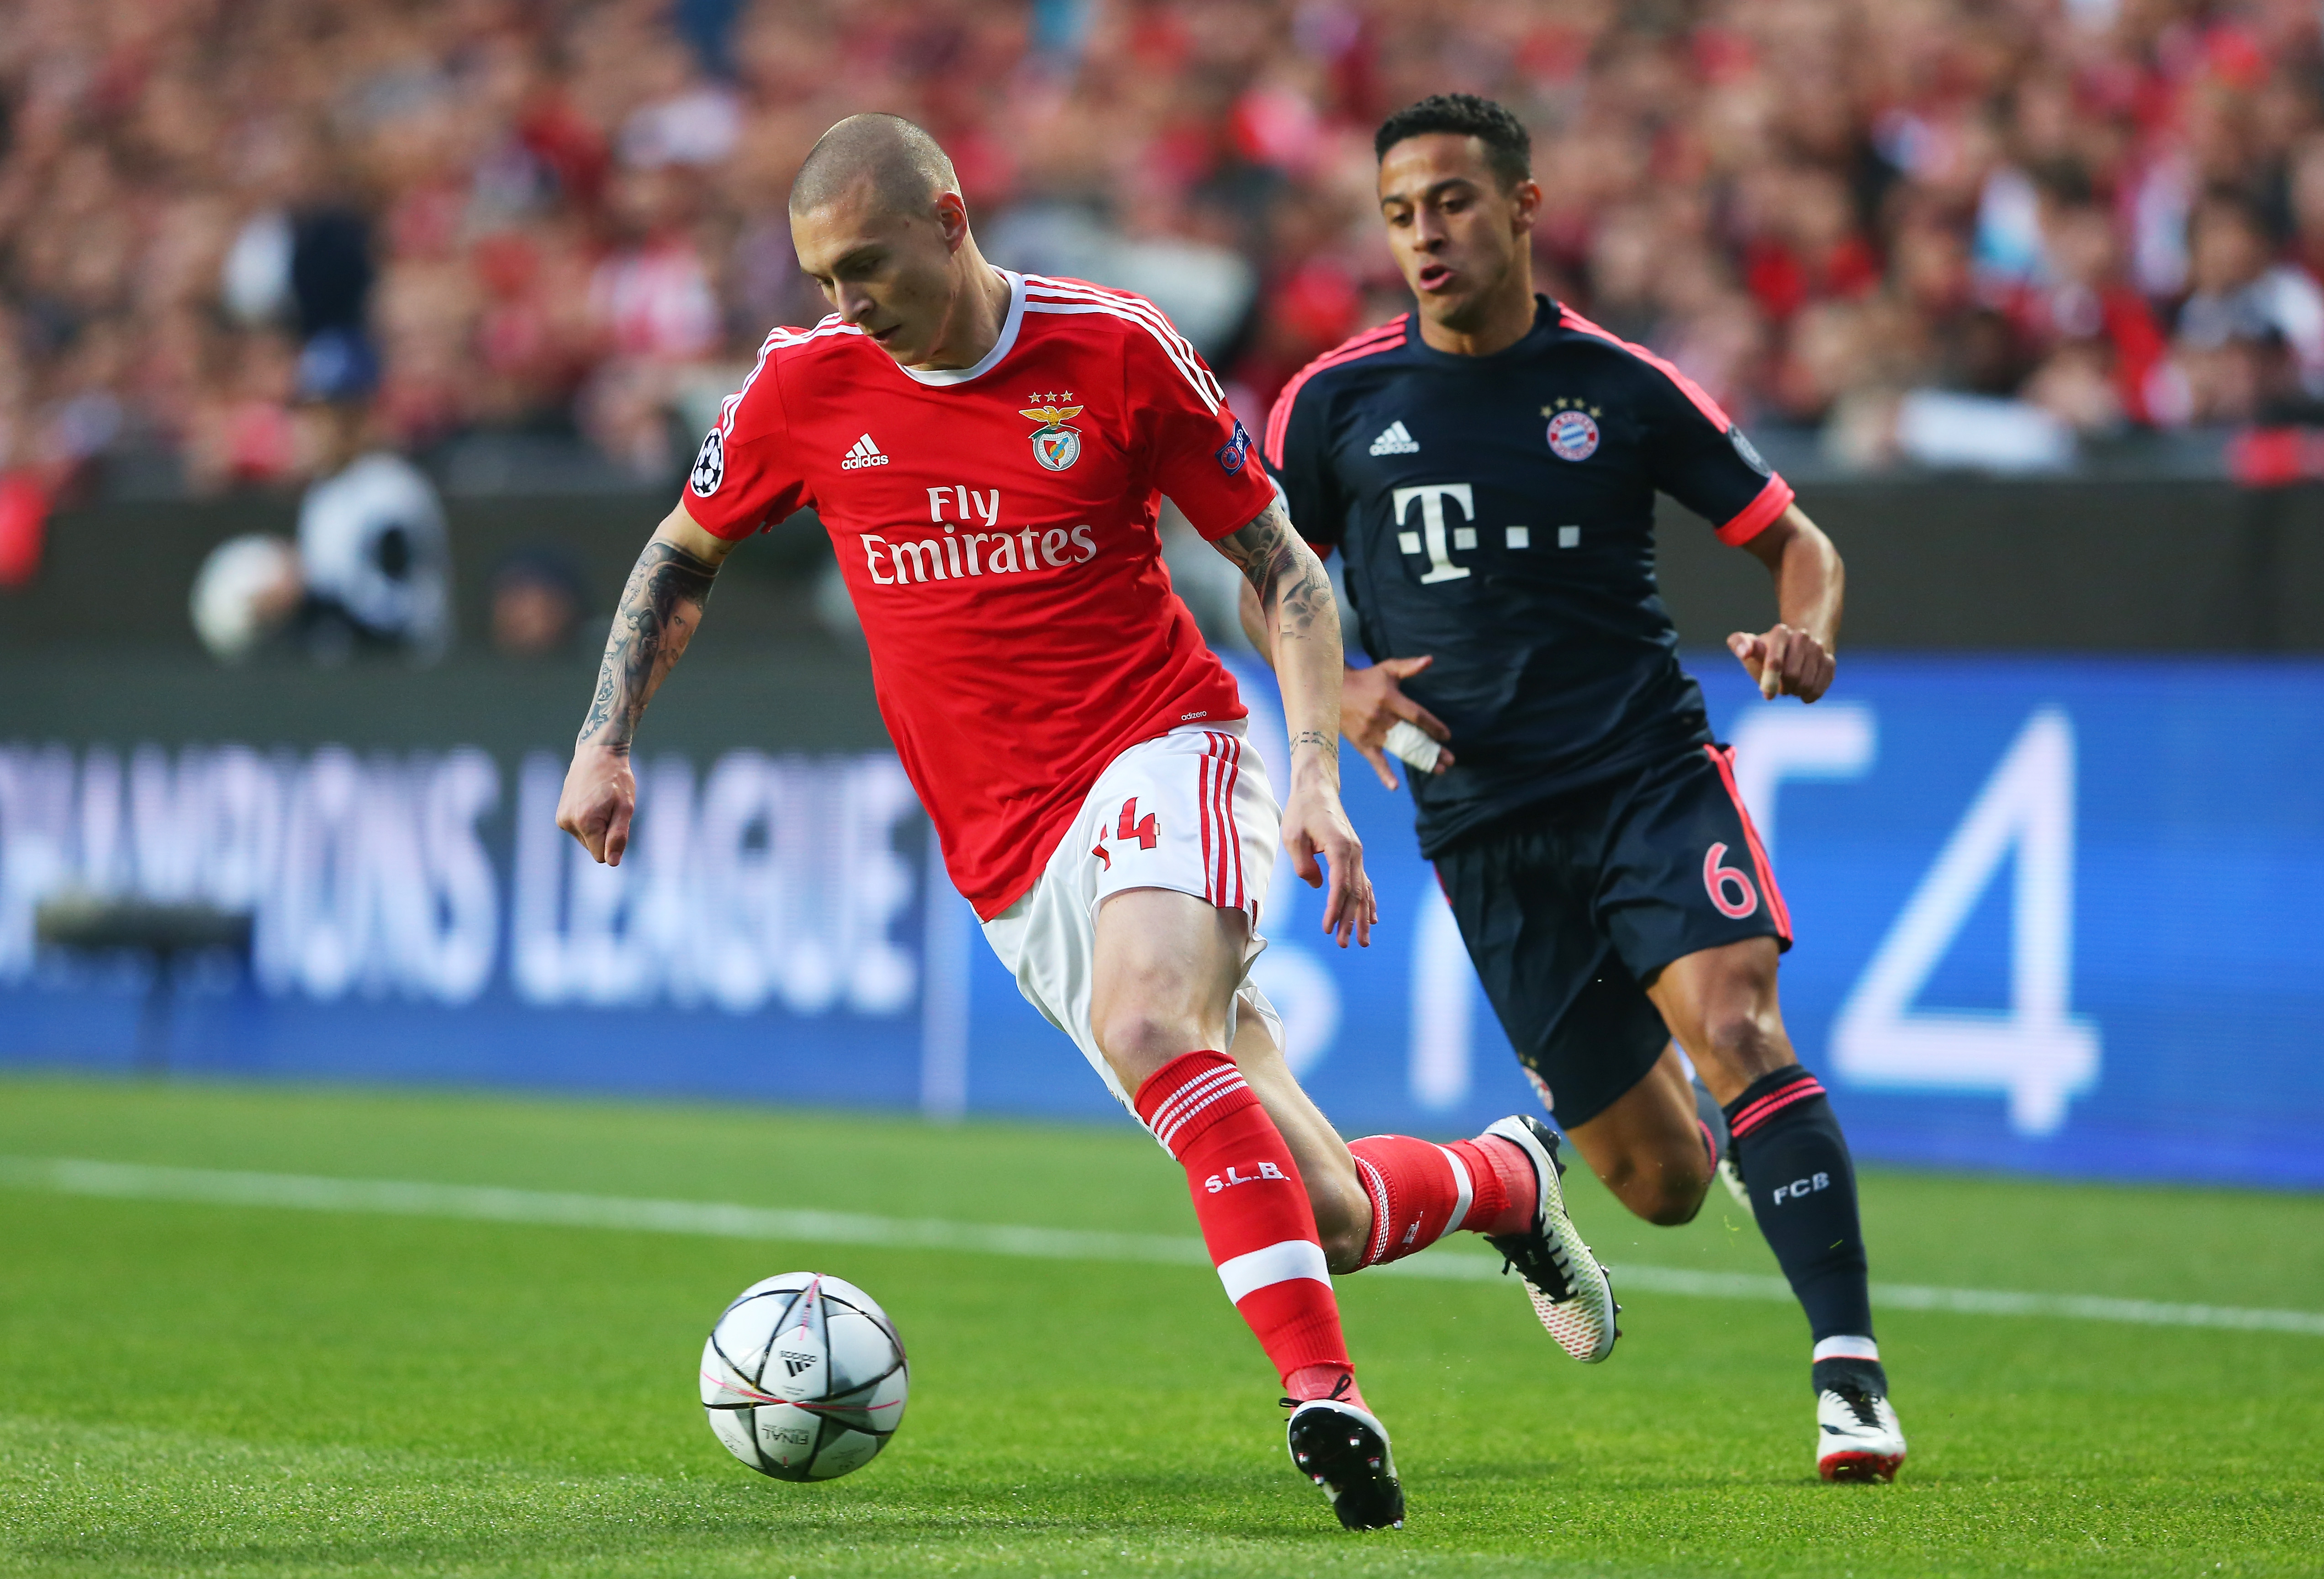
1055 445
1572 436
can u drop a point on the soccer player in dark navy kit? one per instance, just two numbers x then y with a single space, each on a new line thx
1488 468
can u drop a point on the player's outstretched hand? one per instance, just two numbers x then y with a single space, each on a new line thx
1315 824
1372 702
600 796
1786 662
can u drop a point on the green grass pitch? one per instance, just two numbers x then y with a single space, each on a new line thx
192 1388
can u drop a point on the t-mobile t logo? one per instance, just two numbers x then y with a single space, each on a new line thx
1432 497
1800 1187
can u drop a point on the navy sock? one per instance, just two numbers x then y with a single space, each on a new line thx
1793 1158
1714 1120
1864 1375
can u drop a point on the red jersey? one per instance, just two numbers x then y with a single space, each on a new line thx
996 527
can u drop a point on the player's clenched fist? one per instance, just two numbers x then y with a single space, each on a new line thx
600 796
1786 662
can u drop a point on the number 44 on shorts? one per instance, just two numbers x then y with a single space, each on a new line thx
1145 831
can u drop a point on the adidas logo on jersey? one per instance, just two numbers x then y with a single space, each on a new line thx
861 454
1395 440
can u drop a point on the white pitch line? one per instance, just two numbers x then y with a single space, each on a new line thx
490 1204
726 1220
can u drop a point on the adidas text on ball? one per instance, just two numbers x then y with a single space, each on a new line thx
804 1377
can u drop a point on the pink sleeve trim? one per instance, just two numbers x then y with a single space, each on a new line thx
1759 514
1385 337
1701 397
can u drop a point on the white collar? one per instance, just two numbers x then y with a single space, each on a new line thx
991 359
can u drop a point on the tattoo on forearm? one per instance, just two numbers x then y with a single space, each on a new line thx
1295 605
1293 593
661 607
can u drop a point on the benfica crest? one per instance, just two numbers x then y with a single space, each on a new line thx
1055 445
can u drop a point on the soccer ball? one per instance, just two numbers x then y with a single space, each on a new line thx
804 1377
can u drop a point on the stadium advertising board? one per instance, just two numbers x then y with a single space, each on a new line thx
2051 915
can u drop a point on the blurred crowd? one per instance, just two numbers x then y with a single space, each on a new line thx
2008 227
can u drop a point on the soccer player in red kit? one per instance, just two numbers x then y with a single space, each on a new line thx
986 451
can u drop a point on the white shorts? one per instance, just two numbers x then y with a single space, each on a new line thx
1189 811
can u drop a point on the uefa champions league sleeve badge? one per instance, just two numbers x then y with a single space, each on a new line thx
709 466
1055 445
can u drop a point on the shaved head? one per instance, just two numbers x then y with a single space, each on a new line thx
879 224
900 165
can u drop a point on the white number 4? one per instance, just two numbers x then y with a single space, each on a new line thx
2038 1053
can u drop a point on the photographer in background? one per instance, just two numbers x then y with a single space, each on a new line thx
372 543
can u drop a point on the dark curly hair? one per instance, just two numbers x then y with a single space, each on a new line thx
1509 146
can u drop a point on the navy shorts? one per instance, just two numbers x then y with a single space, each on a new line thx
1569 905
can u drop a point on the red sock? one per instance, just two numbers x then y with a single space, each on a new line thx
1256 1220
1420 1191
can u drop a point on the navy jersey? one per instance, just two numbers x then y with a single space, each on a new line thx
1497 513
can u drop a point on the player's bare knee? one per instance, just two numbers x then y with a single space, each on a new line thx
1749 1042
1137 1039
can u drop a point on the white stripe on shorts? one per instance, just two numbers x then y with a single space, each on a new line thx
1207 794
1207 779
1245 1275
1231 839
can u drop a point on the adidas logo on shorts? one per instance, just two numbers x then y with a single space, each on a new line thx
1395 440
861 454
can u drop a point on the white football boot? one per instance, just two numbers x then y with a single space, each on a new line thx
1857 1438
1568 1287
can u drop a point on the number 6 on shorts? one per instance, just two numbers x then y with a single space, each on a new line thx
1716 879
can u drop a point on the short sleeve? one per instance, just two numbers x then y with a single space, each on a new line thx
1701 460
1202 456
1298 451
744 475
